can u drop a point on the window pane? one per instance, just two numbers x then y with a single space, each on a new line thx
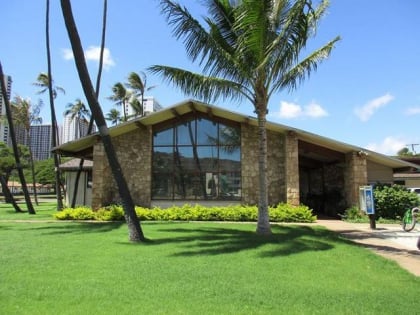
230 161
164 137
162 186
184 159
163 159
208 159
230 186
206 132
185 133
229 136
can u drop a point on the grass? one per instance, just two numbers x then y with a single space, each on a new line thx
193 268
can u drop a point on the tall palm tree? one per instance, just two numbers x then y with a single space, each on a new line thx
121 97
248 50
114 116
138 84
26 114
133 223
12 134
80 112
45 82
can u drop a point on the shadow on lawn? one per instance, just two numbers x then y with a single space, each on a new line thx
285 240
75 228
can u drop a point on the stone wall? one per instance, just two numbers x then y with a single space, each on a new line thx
292 168
249 165
134 153
355 176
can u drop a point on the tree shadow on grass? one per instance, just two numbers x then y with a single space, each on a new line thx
285 240
74 227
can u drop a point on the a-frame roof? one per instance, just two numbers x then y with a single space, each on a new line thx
83 147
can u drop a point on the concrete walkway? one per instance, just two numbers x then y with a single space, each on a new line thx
387 240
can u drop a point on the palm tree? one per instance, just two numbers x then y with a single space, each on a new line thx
80 112
45 82
114 116
138 84
121 97
248 50
133 223
31 209
26 114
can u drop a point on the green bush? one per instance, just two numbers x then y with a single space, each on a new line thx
392 201
79 213
354 214
280 213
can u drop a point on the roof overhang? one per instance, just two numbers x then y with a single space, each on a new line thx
84 147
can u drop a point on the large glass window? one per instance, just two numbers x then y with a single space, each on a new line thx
197 159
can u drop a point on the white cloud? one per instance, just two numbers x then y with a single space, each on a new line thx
92 54
365 112
389 146
412 111
289 110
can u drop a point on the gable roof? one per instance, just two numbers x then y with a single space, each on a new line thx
84 147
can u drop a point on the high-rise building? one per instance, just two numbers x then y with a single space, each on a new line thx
41 141
4 128
150 105
74 128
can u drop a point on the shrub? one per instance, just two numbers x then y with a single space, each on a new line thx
280 213
392 201
354 214
79 213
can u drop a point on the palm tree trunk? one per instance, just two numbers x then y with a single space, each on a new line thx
29 205
8 196
263 225
98 85
133 223
53 116
31 160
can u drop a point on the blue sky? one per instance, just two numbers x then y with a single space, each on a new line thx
366 94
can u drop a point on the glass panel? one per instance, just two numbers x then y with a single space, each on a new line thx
164 137
184 159
162 186
229 136
208 159
206 132
185 133
230 161
163 159
230 186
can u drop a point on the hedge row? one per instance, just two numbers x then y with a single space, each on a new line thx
280 213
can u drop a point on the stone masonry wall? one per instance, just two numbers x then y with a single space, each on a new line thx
356 175
134 153
275 166
292 168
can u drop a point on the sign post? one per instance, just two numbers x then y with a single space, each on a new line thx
367 203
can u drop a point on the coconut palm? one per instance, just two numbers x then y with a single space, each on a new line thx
12 134
25 114
138 84
80 112
42 83
114 116
247 50
121 97
133 223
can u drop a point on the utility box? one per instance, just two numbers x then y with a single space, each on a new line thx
367 203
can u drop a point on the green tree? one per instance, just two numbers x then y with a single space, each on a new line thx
114 116
248 50
121 97
25 114
12 134
137 82
80 112
7 165
134 229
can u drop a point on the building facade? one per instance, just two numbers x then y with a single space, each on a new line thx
197 153
41 141
4 129
74 128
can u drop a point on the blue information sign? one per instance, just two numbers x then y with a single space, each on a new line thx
366 199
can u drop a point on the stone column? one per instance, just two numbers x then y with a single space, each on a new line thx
292 168
355 176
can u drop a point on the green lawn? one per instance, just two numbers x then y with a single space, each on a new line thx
193 268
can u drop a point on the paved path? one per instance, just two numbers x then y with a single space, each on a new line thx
387 240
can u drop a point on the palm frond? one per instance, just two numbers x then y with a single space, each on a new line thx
200 86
